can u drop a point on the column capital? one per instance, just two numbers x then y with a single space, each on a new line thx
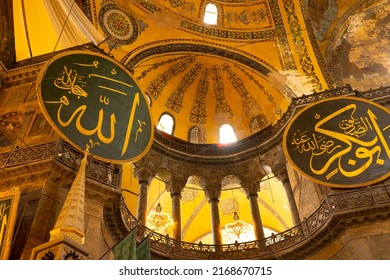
282 175
143 174
251 188
175 187
213 193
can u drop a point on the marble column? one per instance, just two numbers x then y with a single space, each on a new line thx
144 177
252 189
283 177
213 195
175 187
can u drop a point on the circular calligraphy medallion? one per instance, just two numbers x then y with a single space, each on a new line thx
118 25
92 101
340 142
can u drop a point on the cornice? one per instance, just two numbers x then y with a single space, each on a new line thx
169 147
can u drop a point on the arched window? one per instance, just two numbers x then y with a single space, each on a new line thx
166 123
195 135
211 14
226 134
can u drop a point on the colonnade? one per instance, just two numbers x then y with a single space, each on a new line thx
212 192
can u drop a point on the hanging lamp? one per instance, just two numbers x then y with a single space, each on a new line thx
238 227
157 219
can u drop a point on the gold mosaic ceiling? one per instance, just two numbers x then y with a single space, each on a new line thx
247 67
242 71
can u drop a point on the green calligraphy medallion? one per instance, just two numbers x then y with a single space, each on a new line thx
340 142
92 101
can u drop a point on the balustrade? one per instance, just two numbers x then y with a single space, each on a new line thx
332 207
65 154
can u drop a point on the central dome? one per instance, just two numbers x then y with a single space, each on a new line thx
207 87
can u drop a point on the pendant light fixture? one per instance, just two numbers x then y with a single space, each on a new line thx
157 219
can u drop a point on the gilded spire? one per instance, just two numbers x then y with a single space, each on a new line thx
70 221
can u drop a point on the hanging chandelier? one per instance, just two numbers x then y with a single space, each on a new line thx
158 220
238 227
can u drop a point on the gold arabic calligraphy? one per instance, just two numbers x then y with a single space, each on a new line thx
76 85
68 82
320 144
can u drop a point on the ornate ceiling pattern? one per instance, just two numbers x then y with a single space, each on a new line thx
246 67
120 26
256 20
212 81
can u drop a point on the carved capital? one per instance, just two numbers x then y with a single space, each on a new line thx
251 188
282 175
175 187
143 174
213 193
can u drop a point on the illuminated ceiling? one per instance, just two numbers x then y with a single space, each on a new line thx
205 75
259 55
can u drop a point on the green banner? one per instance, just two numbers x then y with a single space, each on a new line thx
340 142
143 249
93 102
126 248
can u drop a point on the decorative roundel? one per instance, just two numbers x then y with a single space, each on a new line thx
117 24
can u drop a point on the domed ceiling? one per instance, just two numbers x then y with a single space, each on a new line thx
208 86
241 71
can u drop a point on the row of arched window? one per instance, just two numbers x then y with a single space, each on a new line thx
196 134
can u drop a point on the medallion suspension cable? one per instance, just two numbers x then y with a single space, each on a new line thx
63 26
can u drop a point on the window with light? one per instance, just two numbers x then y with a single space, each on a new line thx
166 124
227 134
211 14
